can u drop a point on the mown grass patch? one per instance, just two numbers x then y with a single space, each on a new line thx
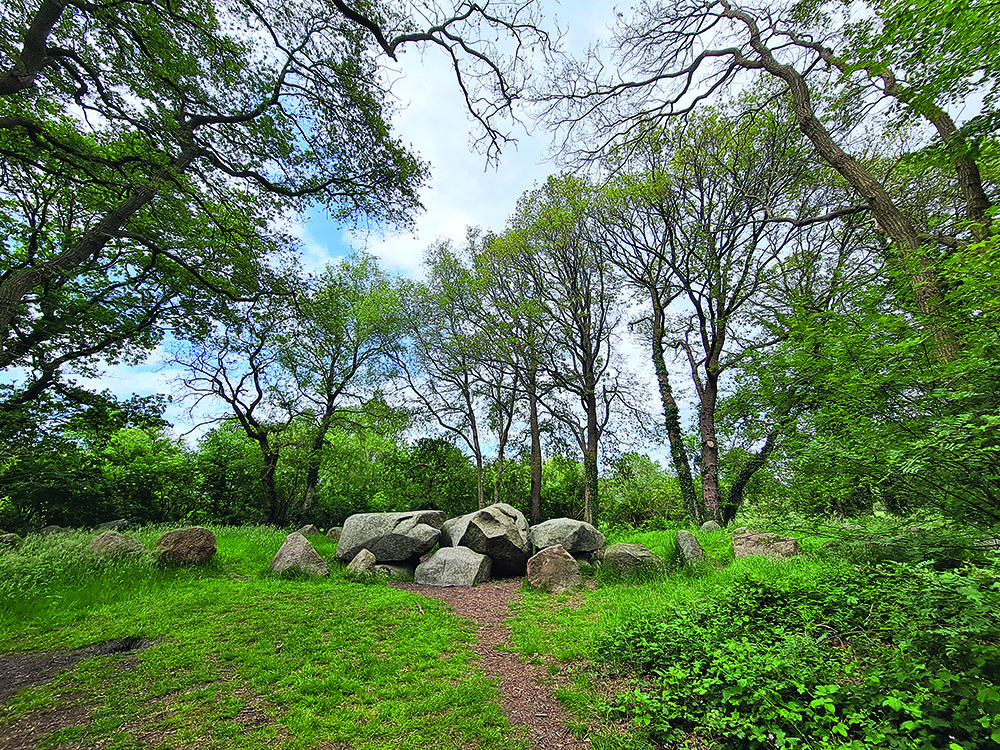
242 658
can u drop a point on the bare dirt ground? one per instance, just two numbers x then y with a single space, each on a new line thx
527 696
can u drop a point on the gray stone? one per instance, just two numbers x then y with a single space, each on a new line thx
10 541
395 572
119 524
750 543
576 537
310 530
453 566
363 564
334 533
554 570
628 559
114 544
50 530
297 554
194 545
691 551
710 526
391 537
498 531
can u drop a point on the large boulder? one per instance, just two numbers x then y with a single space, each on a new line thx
297 554
629 559
391 537
579 538
498 531
747 543
453 566
363 564
113 544
554 570
691 552
194 545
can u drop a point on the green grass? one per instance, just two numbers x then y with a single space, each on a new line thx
814 651
243 658
741 657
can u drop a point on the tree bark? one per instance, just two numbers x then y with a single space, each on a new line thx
711 500
671 412
268 470
536 447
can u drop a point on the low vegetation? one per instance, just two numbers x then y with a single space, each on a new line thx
239 658
845 647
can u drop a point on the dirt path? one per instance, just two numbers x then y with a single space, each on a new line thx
527 701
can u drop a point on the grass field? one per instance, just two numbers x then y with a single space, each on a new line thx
241 658
817 652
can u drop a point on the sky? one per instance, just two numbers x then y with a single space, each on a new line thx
462 191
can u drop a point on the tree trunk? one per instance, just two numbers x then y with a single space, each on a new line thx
711 505
671 412
732 505
268 470
312 470
590 506
536 448
927 294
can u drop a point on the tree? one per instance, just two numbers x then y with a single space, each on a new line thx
239 365
575 294
519 334
443 360
834 73
340 350
691 230
228 114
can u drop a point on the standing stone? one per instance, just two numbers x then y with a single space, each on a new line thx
627 559
453 566
113 544
363 564
310 530
297 554
692 553
334 534
554 570
765 543
498 531
579 538
10 541
391 537
194 545
710 526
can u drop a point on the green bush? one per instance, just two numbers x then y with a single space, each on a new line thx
891 656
